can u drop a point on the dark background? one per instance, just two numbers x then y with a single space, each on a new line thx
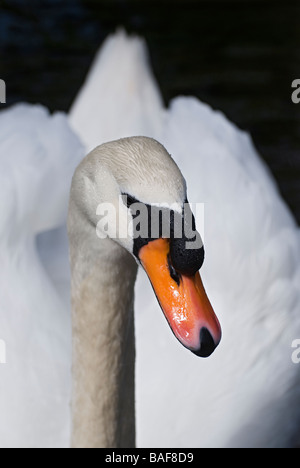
239 56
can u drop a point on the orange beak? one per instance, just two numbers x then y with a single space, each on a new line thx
184 303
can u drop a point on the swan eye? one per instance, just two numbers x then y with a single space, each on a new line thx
173 273
129 200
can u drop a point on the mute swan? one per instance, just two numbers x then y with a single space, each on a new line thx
103 277
247 393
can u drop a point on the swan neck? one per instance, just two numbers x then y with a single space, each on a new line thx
103 277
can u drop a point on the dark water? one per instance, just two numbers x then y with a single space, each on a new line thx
238 56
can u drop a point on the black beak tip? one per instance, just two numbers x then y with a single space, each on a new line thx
207 344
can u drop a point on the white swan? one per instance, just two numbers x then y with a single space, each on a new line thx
247 393
104 274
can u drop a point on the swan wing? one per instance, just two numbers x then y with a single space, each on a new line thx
38 154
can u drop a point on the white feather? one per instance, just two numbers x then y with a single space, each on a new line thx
38 154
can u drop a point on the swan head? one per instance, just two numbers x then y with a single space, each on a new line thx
135 194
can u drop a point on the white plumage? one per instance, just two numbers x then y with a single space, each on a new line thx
38 154
248 392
